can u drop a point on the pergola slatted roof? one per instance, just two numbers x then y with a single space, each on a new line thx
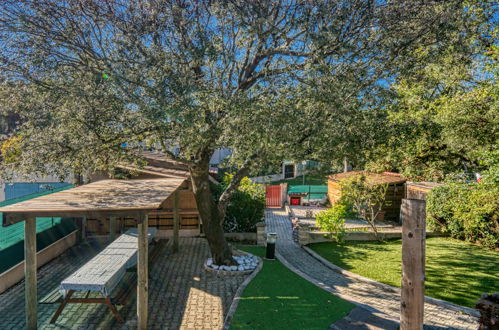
106 197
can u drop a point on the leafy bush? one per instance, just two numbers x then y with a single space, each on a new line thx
333 220
468 211
246 207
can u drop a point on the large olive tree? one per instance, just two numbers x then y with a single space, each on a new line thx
185 77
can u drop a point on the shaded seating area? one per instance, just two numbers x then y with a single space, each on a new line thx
103 273
106 198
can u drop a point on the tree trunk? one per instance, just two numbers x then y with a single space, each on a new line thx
221 252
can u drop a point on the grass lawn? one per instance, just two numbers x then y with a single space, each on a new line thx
312 180
456 271
277 298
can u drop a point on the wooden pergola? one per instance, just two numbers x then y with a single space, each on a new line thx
106 198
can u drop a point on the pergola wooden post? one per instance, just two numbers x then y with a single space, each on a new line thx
112 228
142 272
30 273
176 221
413 215
84 229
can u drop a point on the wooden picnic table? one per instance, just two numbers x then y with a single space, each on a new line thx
103 273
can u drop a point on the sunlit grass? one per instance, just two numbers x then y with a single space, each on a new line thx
277 298
456 271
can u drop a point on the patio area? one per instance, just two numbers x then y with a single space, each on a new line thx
181 294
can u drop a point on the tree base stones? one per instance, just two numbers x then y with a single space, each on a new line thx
246 264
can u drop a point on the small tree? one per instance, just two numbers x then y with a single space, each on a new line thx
333 220
366 199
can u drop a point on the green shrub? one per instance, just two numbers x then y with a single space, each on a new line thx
468 211
333 220
246 207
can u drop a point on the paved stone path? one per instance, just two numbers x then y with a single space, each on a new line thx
181 294
380 303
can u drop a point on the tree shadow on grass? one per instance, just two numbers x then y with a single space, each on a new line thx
460 272
456 271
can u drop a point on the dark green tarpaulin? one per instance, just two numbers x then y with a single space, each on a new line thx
310 192
307 189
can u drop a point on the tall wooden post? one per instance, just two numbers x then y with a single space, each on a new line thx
30 273
413 215
142 272
84 229
176 221
112 228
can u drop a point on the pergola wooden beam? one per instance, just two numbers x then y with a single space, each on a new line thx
107 198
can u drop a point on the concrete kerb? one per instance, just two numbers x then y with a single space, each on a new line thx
434 301
239 292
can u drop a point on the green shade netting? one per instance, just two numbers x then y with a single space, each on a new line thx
13 234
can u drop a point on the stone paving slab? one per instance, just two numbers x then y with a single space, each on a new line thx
181 294
384 304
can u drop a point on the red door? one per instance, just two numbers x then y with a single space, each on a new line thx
273 196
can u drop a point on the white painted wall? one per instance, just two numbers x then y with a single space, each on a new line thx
267 178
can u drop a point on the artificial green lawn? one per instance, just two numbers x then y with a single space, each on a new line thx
277 298
456 271
309 180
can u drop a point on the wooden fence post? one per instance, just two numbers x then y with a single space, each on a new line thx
176 221
142 273
30 273
413 216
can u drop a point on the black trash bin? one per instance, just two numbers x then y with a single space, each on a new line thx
270 252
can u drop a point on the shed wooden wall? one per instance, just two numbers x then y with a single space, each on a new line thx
394 194
333 191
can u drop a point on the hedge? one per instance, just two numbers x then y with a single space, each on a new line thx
246 207
468 211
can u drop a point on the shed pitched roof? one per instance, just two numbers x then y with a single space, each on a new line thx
158 164
373 178
100 196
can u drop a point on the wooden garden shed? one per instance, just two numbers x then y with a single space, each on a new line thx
394 195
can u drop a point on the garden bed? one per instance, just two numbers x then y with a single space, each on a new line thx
456 271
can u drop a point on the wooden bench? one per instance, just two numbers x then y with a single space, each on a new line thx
103 274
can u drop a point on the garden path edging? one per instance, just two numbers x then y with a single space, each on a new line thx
325 286
237 297
435 301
